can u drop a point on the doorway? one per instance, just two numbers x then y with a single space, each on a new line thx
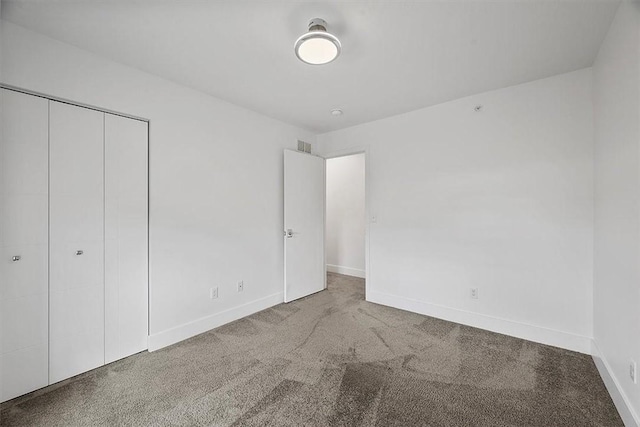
346 217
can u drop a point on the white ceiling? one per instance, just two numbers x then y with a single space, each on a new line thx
397 56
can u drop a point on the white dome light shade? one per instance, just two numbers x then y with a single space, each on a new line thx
317 47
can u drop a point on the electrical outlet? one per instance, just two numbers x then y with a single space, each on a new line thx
213 293
240 286
474 293
633 372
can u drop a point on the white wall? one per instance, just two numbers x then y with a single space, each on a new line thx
617 198
346 215
500 200
215 182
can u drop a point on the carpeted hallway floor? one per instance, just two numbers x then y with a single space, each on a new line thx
332 359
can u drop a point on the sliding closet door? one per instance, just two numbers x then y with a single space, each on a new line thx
23 243
126 261
76 250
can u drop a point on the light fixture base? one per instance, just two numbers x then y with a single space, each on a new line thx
317 24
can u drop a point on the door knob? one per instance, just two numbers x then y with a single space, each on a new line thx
289 233
79 252
16 258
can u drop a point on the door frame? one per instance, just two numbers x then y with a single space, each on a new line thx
366 150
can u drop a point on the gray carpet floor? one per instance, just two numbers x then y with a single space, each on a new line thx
332 359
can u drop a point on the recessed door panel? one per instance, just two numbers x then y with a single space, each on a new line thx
76 247
126 217
23 243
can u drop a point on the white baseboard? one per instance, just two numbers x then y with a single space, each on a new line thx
204 324
620 399
348 271
525 331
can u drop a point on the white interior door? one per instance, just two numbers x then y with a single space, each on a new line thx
76 246
304 194
126 261
24 128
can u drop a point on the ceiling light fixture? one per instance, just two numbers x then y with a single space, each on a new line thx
317 46
336 112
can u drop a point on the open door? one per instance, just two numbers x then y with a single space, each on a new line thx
304 193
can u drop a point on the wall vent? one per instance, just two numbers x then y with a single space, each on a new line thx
305 147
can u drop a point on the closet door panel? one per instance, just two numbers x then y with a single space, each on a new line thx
76 240
31 330
71 271
24 343
75 217
78 345
26 277
76 151
24 370
23 234
24 219
126 218
25 151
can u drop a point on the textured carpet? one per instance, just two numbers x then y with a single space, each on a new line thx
333 359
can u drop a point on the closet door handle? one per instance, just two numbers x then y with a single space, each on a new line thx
16 258
79 252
